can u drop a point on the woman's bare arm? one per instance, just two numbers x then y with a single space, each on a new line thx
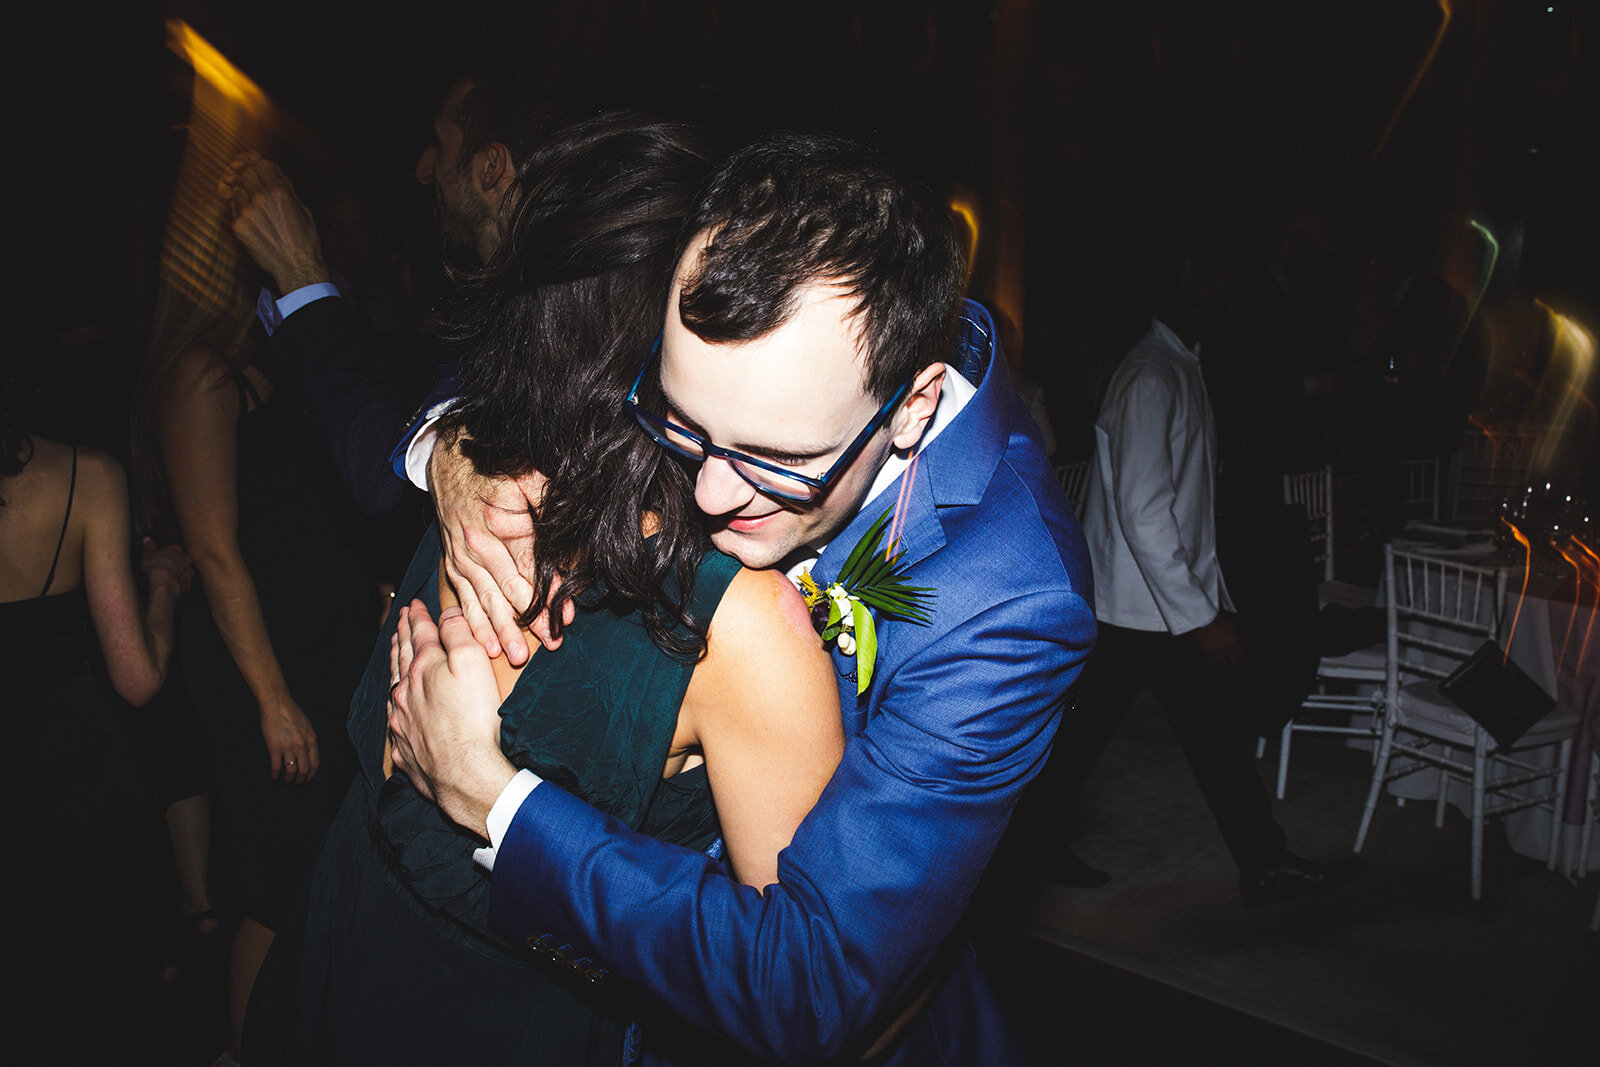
136 641
197 424
763 708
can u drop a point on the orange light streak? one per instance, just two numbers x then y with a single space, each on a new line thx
1594 608
1416 80
1577 595
1527 569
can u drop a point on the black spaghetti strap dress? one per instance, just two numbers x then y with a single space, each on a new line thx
83 835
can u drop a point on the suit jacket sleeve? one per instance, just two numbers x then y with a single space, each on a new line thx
875 879
1146 492
358 401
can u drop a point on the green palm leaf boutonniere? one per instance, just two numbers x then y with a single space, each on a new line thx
868 579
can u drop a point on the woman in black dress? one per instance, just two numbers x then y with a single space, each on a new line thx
77 812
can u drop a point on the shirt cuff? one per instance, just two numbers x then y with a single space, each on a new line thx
504 810
420 448
293 301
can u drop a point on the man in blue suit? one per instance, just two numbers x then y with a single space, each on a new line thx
808 334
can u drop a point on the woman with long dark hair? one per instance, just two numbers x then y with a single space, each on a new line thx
651 708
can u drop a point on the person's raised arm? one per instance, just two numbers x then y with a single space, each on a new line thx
273 224
763 708
357 400
136 641
197 422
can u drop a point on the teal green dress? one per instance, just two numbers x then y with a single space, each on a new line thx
390 958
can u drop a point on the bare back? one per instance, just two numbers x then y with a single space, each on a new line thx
36 518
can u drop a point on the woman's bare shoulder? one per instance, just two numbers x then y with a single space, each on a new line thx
762 612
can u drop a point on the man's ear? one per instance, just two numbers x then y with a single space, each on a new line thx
496 171
916 411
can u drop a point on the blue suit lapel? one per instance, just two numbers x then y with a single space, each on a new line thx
955 469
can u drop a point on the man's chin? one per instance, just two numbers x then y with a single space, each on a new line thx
753 553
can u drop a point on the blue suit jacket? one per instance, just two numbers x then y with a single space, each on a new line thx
958 718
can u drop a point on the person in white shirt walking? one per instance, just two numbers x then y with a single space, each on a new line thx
1166 620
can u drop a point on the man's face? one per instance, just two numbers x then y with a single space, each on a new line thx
461 209
796 396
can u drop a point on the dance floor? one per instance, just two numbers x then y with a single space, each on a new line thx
1400 967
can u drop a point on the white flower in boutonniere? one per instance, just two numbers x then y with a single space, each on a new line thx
868 580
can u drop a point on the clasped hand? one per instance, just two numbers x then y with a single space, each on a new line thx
165 568
444 717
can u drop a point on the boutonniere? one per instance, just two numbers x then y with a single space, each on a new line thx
869 579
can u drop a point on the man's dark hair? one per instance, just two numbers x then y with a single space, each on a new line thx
501 108
557 325
794 209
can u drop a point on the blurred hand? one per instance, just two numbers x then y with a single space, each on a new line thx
291 741
486 528
1219 641
272 223
444 715
166 566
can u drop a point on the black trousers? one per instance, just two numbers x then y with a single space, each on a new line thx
1204 704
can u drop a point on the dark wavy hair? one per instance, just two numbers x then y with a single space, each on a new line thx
558 324
16 445
792 209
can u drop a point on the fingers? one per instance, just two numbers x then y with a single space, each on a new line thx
455 634
406 651
495 573
424 634
477 618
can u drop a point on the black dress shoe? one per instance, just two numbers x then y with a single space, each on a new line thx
1294 877
1063 867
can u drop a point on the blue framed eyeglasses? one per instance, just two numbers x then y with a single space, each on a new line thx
768 477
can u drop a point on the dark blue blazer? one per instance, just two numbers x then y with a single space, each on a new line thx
359 397
958 718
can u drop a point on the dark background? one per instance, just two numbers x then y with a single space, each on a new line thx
1090 135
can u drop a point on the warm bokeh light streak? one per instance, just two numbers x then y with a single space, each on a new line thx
1572 352
1527 568
228 113
1577 597
1416 79
212 67
963 208
1594 608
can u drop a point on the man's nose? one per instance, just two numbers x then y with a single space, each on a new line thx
718 490
424 171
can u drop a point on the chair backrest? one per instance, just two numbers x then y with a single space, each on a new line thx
1419 488
1439 613
1313 490
1075 483
1489 469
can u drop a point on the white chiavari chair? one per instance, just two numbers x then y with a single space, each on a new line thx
1438 613
1348 689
